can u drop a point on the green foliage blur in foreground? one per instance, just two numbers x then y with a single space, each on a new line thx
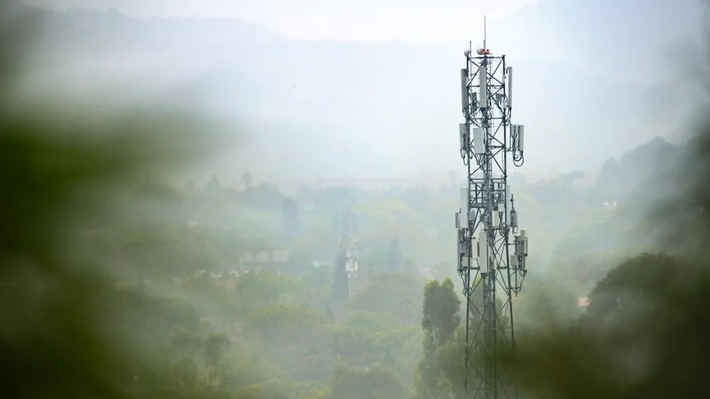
645 333
98 298
66 331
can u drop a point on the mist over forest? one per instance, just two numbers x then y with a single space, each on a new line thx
179 195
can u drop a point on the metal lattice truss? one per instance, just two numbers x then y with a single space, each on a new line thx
491 254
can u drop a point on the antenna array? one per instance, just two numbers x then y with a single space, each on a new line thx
492 252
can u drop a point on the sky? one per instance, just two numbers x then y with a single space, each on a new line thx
419 21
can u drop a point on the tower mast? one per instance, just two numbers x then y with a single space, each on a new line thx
492 252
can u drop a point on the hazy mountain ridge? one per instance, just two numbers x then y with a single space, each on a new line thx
190 29
619 177
355 105
605 37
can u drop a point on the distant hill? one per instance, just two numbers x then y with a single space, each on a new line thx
112 25
614 38
648 165
390 109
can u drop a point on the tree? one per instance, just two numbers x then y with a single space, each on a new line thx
440 321
546 299
644 335
440 311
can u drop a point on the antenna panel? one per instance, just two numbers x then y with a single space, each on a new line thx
474 247
478 144
483 251
464 207
463 253
516 136
510 87
514 262
465 136
464 89
507 204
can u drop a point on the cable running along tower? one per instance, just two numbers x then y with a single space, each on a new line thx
492 251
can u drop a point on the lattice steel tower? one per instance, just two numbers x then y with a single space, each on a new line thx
348 246
491 251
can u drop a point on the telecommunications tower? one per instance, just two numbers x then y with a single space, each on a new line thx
348 257
492 251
